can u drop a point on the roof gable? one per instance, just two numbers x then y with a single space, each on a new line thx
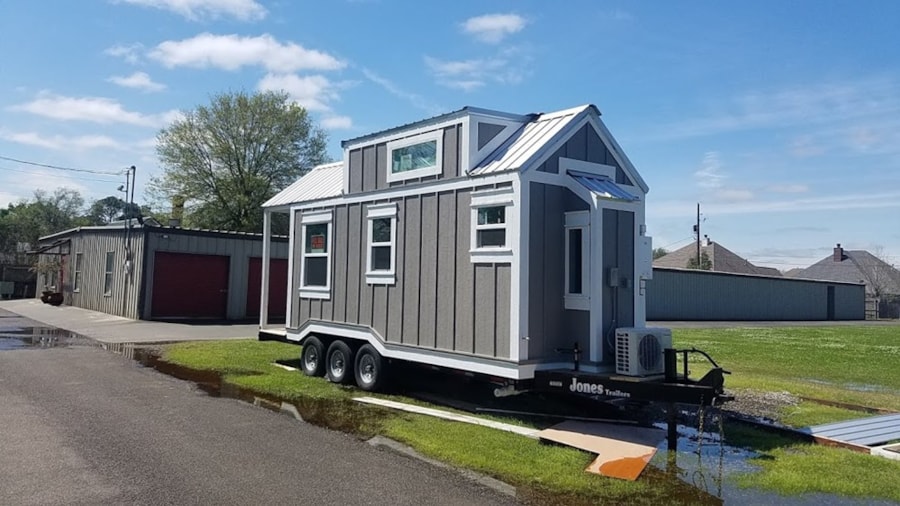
856 266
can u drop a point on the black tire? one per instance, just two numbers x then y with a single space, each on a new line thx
339 362
369 369
312 357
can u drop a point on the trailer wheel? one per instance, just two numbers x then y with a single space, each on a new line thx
369 370
339 362
312 358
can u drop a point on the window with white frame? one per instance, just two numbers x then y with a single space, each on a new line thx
381 244
108 273
76 276
315 252
578 254
413 157
492 216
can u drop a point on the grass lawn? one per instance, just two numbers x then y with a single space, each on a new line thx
850 364
829 363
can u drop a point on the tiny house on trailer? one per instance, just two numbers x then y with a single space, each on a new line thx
505 245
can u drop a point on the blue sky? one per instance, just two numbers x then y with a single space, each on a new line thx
781 118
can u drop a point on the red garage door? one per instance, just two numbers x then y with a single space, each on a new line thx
277 287
189 286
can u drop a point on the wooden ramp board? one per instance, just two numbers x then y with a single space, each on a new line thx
622 451
869 431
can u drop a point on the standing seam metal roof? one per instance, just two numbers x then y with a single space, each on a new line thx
322 182
530 139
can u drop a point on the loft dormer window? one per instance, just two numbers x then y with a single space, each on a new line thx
415 157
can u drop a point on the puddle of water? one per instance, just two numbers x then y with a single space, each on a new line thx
857 387
14 338
698 473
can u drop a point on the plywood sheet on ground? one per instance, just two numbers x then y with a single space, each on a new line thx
623 451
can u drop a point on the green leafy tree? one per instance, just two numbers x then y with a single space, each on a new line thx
230 156
659 252
704 265
109 209
45 214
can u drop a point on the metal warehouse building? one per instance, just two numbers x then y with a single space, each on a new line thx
688 294
147 271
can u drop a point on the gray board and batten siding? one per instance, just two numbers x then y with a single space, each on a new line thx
124 296
441 299
550 324
694 295
368 164
238 247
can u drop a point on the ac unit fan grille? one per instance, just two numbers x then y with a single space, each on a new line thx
649 352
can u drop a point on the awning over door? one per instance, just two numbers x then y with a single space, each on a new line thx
603 187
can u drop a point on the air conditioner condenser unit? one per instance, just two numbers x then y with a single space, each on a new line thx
639 352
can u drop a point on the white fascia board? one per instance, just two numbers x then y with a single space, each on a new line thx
518 263
417 189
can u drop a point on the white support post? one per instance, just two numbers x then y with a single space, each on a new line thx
266 255
597 282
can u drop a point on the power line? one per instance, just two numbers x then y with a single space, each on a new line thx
81 178
57 167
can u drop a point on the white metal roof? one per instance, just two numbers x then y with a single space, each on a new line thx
523 145
322 182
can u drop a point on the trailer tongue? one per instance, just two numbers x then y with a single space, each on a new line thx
672 387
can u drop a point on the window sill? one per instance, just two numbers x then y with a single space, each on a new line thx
380 278
309 292
491 255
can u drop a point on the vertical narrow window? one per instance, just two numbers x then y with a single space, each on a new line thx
575 287
382 243
315 266
577 260
76 275
108 273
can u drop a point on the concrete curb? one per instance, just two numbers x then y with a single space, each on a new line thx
481 479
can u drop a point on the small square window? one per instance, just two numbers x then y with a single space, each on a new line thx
490 229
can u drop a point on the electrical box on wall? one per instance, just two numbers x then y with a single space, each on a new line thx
612 277
644 257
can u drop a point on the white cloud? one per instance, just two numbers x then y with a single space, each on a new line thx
231 52
414 99
508 67
130 53
244 10
493 28
805 146
710 175
137 80
337 122
82 142
789 188
872 101
92 109
312 92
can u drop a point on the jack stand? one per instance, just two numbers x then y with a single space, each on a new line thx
672 426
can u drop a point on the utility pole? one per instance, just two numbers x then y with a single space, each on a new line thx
698 232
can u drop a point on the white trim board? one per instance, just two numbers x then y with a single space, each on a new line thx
447 415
